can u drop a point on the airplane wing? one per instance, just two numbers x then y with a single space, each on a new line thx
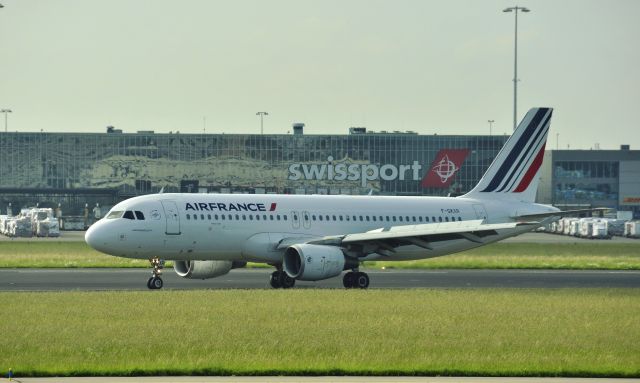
561 213
385 240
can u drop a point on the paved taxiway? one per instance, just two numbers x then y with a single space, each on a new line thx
135 279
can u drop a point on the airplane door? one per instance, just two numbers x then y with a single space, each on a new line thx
295 219
172 217
481 213
306 220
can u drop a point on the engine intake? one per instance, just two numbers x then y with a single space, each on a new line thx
204 269
314 262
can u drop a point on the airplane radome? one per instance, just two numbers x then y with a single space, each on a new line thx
315 237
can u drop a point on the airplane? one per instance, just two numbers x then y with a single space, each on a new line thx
316 237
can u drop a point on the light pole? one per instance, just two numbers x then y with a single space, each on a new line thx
490 125
515 62
262 114
6 112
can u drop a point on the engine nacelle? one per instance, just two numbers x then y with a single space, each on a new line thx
204 269
313 262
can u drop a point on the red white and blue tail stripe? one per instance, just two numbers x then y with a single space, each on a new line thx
515 169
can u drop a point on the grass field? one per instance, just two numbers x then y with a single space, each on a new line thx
567 332
498 256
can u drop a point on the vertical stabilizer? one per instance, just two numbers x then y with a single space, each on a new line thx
514 173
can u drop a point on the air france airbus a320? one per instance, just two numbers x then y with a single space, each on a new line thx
315 237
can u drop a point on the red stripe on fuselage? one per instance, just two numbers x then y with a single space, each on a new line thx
533 169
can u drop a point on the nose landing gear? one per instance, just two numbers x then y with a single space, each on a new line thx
155 282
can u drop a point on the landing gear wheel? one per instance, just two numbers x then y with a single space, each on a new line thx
276 279
361 280
155 282
347 280
287 281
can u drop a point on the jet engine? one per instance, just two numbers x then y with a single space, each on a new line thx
204 269
314 262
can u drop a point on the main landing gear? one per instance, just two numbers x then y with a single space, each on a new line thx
155 282
355 280
280 279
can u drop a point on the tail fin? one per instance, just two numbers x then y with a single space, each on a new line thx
514 171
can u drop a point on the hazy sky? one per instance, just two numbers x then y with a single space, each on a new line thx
441 67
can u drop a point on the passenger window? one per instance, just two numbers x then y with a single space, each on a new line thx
393 218
139 215
327 217
295 217
433 219
446 219
381 219
460 219
313 217
244 217
367 218
420 218
374 218
354 218
128 215
400 218
334 217
387 218
195 216
340 218
440 219
284 217
346 217
237 217
188 216
222 216
278 217
320 218
271 217
215 216
209 217
413 218
360 218
202 217
306 217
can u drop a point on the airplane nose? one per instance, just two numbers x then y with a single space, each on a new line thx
95 238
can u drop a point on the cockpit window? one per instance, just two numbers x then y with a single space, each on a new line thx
128 214
115 214
139 215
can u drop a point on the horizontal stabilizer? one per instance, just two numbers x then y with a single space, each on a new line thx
564 213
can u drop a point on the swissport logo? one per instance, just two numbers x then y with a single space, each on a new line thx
444 168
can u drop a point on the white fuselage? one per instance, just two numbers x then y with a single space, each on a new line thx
249 227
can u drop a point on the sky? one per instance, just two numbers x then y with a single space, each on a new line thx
433 67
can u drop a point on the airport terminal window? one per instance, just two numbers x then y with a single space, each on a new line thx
128 215
139 215
115 214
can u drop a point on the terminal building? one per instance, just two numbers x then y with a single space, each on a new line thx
75 169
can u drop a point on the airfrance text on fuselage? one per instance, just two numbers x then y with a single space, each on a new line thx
218 206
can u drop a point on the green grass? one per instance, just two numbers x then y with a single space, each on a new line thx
610 256
496 256
566 332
